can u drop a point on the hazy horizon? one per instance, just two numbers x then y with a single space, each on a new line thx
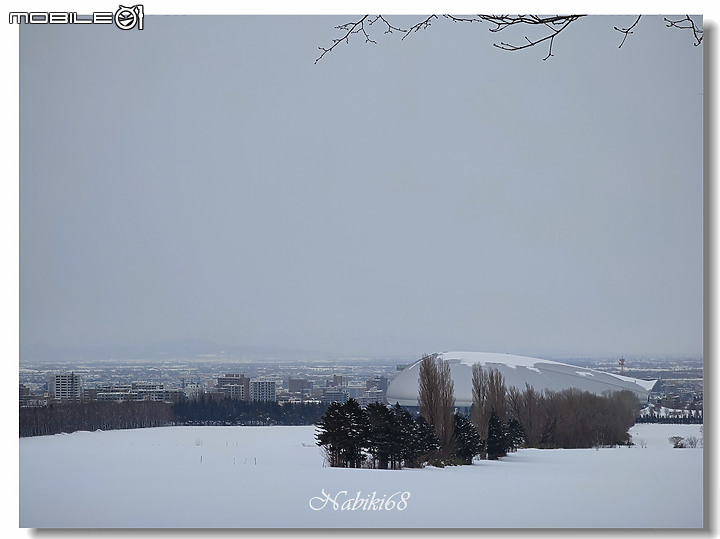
201 350
204 179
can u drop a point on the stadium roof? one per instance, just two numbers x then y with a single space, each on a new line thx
541 374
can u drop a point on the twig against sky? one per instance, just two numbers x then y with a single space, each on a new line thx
627 31
687 24
551 26
554 25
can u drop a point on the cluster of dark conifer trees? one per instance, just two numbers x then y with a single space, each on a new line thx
501 420
384 437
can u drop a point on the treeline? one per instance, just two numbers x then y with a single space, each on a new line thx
100 415
500 421
689 418
71 417
573 419
208 411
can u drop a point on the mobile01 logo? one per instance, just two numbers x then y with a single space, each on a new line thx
125 18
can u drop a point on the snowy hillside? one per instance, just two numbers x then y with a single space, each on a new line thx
274 477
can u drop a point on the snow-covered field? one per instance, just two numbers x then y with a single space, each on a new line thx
274 477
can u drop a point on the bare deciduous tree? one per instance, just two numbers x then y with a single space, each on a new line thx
525 408
489 397
497 394
480 411
428 381
436 399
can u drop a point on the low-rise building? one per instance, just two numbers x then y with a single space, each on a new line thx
138 391
372 395
334 394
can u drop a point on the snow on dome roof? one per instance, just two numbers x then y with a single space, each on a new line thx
541 374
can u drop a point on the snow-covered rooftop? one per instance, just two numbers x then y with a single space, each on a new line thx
541 374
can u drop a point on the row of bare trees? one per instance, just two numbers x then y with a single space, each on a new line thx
572 418
506 418
436 400
71 417
94 415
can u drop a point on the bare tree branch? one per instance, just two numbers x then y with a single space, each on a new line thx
422 25
555 24
389 27
687 24
502 22
627 31
464 19
549 26
349 28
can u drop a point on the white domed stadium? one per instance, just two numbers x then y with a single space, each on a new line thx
540 374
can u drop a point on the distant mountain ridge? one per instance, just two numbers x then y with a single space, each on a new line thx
176 349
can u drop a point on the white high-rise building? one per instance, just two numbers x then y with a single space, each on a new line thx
65 387
262 390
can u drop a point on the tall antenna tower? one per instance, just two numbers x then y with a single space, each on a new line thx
622 366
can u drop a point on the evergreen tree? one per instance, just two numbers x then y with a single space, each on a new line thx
497 438
410 440
355 431
424 442
467 441
382 434
515 434
330 433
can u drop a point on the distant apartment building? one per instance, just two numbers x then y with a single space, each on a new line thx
192 390
117 393
372 395
137 391
236 392
28 399
65 388
234 386
354 390
263 390
338 380
298 385
377 382
334 394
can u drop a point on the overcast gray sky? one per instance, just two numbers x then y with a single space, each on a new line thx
204 178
